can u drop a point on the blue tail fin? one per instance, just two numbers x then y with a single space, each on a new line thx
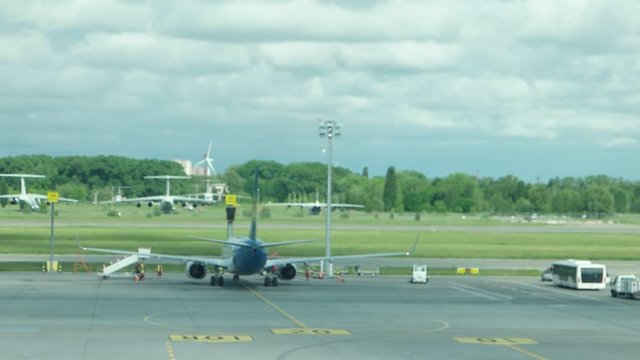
252 232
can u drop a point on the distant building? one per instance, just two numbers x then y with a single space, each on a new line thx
199 171
187 166
190 170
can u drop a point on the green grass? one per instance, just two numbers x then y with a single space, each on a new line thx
499 245
29 234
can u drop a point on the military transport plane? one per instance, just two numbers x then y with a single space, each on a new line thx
317 206
167 201
245 256
26 199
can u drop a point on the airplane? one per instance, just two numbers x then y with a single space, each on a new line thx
167 201
31 200
245 256
211 197
317 206
118 197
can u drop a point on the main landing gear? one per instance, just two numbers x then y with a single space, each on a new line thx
216 280
270 281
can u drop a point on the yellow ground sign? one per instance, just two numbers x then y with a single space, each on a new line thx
495 341
230 200
310 331
211 338
53 197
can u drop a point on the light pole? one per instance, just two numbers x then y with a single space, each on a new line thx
328 129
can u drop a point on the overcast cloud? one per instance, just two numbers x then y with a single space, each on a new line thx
529 88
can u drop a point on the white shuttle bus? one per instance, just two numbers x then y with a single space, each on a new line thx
579 274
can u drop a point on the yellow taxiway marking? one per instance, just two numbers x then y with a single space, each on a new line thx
211 338
310 331
511 343
170 350
303 329
276 307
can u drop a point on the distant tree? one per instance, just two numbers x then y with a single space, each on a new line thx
365 172
598 200
4 189
390 194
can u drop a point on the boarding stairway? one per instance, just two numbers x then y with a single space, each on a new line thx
143 253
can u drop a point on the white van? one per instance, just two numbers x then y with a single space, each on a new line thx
420 275
624 286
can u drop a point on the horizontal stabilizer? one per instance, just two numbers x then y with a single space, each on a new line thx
284 243
223 242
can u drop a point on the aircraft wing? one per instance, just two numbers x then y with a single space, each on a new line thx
133 200
39 197
279 262
312 204
179 258
352 206
192 200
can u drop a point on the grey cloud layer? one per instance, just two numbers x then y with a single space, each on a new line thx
477 72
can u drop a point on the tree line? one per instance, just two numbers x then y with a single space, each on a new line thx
83 178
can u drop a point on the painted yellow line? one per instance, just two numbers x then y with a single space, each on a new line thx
507 342
170 350
310 331
276 307
525 352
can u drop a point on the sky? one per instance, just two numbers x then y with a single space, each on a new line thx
536 89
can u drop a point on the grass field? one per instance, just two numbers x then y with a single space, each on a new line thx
91 225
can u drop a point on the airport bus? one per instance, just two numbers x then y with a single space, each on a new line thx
579 274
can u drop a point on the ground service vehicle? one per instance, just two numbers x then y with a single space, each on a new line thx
579 274
419 275
626 286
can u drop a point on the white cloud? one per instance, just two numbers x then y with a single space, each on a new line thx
621 142
552 71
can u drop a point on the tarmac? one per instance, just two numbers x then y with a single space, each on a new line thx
79 316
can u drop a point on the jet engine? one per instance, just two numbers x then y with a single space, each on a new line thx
286 272
196 270
13 201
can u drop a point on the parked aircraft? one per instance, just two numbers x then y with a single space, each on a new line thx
167 201
31 200
317 206
245 256
211 197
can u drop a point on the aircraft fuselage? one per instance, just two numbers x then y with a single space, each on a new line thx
245 260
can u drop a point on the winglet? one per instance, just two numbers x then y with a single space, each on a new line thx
78 243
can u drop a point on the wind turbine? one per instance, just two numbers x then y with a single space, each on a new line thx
207 162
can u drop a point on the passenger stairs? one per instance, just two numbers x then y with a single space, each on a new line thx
143 253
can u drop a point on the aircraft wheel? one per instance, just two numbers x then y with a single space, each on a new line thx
267 281
274 282
220 280
213 281
236 277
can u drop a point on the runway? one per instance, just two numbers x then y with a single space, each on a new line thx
78 316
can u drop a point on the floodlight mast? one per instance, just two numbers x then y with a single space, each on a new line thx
328 129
